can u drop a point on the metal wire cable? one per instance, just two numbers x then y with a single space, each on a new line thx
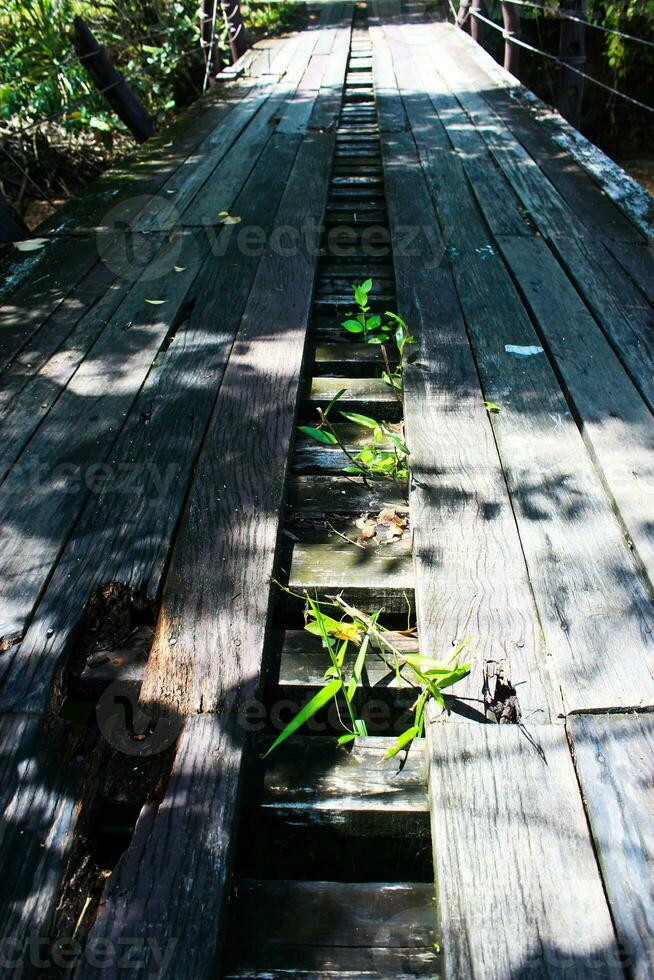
562 15
564 64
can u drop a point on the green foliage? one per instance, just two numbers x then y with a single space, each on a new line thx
375 458
341 683
375 330
154 43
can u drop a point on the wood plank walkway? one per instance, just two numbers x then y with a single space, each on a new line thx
154 360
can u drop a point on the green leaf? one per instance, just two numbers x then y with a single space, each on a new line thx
312 707
404 739
397 442
366 286
333 401
492 407
352 469
320 435
360 727
373 322
364 420
353 326
361 297
359 663
344 739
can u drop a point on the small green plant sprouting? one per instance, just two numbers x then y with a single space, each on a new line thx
371 327
375 330
375 458
342 680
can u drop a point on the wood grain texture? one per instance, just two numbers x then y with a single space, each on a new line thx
168 892
514 861
586 584
127 527
311 782
323 929
464 525
216 597
614 420
46 278
44 772
620 308
42 497
613 757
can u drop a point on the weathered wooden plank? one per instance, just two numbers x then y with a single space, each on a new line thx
38 375
52 273
616 427
361 394
592 603
166 896
303 661
324 929
381 573
638 262
464 524
312 782
310 457
336 494
613 756
125 532
42 496
142 174
594 209
209 178
390 112
514 860
617 304
253 422
44 772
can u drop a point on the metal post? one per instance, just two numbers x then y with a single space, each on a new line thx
511 17
210 48
572 51
111 83
235 28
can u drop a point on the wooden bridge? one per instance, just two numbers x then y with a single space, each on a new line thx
157 353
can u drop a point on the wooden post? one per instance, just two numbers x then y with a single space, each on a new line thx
210 48
476 26
111 83
511 17
572 51
12 227
465 13
235 28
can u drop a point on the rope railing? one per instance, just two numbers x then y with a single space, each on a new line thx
569 59
564 15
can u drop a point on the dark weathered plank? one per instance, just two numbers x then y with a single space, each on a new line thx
43 775
613 756
303 661
464 524
322 929
514 860
139 177
620 308
126 529
234 506
591 600
311 782
53 272
584 197
615 422
38 375
42 496
342 494
166 896
382 574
